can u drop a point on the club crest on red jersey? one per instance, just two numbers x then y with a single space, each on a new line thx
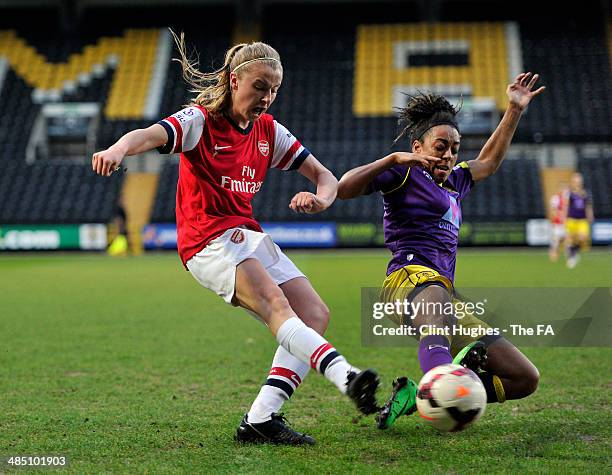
237 236
264 147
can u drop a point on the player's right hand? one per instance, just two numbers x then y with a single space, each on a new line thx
106 161
415 160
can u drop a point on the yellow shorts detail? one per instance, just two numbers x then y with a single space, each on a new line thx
575 227
399 285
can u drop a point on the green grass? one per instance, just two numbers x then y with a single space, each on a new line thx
128 366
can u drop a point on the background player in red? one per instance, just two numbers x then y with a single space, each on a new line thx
227 143
557 221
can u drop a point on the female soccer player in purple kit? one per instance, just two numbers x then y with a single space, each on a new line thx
422 193
578 213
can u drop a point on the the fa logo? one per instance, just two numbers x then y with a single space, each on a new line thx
264 147
237 236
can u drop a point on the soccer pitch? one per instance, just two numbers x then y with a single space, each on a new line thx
128 366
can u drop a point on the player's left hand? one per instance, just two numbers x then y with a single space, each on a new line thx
520 91
307 202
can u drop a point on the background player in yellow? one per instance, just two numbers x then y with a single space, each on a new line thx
578 219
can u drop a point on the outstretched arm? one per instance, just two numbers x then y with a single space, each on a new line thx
355 182
493 153
137 141
327 188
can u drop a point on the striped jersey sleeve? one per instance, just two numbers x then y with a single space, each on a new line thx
184 129
289 153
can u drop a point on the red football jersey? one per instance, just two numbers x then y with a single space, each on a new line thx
221 168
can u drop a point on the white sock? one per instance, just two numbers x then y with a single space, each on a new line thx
285 376
308 346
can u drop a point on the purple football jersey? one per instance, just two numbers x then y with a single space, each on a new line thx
421 218
577 203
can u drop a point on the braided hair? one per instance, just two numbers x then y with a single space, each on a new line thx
424 111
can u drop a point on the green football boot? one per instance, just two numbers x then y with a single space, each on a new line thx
473 356
401 403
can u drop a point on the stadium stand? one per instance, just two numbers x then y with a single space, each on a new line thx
163 207
49 193
597 172
18 114
572 110
40 59
512 194
339 105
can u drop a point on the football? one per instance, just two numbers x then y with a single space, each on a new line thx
451 398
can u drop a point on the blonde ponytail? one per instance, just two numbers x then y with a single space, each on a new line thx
213 89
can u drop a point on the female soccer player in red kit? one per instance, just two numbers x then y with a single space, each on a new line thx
227 143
